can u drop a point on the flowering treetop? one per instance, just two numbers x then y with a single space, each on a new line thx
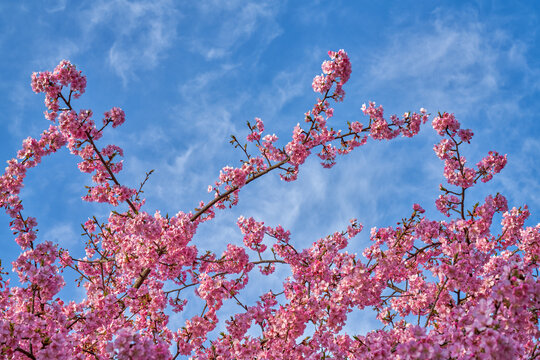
449 289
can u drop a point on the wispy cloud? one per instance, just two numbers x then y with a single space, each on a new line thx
458 63
236 21
53 6
63 235
141 32
285 87
202 84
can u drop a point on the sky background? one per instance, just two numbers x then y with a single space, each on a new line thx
189 74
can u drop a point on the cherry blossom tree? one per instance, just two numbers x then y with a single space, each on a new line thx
462 288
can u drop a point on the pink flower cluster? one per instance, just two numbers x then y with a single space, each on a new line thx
490 165
381 129
447 149
129 345
337 68
115 116
446 124
51 83
256 131
458 288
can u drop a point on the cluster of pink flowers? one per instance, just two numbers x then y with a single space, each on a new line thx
337 68
115 116
129 345
381 129
490 165
440 289
51 83
446 124
455 170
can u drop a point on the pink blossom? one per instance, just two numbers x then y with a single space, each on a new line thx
463 287
115 116
490 165
446 122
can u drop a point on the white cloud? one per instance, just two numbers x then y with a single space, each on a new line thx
202 83
237 22
55 5
459 64
286 86
142 32
63 235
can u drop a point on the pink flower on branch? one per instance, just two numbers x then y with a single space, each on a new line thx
441 289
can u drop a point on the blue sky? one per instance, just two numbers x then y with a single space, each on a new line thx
189 74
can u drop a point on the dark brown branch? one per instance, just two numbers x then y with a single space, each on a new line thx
30 355
234 188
